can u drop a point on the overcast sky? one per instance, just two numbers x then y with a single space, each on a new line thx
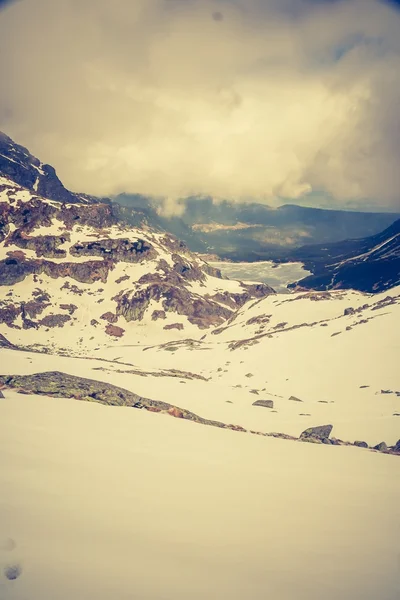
266 99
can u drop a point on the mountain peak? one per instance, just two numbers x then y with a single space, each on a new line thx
19 165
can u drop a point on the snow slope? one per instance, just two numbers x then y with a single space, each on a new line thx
100 502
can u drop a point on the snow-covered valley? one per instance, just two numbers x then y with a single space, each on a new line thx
167 433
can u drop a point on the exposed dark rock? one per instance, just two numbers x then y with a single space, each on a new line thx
1 394
173 244
29 324
55 320
320 432
12 572
265 403
40 295
259 320
20 166
360 444
94 322
382 446
199 311
178 326
396 447
122 250
71 308
9 314
44 245
258 290
294 399
4 343
212 271
189 271
13 271
33 308
57 384
110 317
122 278
114 331
158 314
17 254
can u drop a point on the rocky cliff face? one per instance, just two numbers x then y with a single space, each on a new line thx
73 264
20 166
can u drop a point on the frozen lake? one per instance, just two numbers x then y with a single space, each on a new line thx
277 276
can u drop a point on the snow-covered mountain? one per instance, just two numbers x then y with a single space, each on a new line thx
371 264
78 268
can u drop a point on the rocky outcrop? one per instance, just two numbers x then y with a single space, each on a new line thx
190 271
55 320
257 290
62 385
13 271
237 300
317 433
382 447
121 250
114 331
212 271
71 308
44 245
264 403
9 313
360 444
178 326
158 314
199 311
110 317
29 215
33 308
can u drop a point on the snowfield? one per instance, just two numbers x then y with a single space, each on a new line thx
101 502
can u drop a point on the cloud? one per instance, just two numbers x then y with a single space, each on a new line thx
234 98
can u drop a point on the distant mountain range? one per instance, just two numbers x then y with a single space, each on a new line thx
371 264
253 232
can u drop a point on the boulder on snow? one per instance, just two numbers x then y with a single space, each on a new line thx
360 444
295 399
320 432
396 447
382 446
114 331
1 394
265 403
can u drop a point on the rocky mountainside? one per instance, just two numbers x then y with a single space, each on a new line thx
19 166
371 264
72 262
